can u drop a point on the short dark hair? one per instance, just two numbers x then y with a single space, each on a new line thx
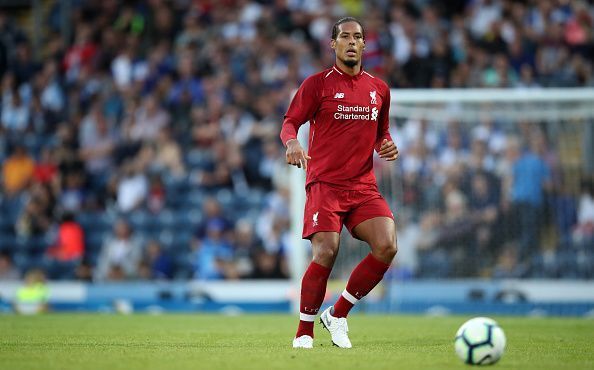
345 20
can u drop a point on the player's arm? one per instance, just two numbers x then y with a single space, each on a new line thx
384 145
302 108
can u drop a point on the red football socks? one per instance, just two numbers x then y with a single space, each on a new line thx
313 289
368 273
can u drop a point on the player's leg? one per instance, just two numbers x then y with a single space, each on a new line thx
372 221
322 225
380 234
313 284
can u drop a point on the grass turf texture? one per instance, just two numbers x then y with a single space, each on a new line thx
95 341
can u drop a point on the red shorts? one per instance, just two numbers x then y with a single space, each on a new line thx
328 208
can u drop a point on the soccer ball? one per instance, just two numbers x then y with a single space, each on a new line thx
480 341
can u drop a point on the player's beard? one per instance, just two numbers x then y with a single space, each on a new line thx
350 62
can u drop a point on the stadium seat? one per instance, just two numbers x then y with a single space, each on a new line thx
434 264
182 219
196 198
165 238
94 240
197 159
8 241
6 225
12 209
543 267
195 216
164 219
33 143
176 199
567 261
141 221
181 241
35 245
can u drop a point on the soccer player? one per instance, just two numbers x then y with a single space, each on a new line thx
348 113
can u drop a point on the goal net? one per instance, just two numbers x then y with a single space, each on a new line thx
488 184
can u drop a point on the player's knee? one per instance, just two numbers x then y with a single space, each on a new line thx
325 255
386 249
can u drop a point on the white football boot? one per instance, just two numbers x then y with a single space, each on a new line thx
304 341
338 328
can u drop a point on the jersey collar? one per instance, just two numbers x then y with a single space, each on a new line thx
346 75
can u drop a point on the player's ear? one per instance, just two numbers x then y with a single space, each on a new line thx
333 43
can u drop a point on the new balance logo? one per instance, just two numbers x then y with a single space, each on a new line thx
338 95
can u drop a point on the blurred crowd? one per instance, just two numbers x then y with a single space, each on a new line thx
146 144
493 199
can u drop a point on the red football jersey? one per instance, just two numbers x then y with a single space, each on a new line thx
349 118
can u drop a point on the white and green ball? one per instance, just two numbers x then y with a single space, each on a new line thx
480 341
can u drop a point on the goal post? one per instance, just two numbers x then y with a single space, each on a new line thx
469 104
299 250
551 106
564 115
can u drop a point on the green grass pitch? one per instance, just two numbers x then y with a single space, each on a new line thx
199 341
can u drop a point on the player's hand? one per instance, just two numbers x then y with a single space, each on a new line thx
388 150
296 156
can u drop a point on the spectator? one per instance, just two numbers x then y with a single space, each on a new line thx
455 151
188 89
132 188
32 298
72 195
52 95
222 170
275 212
268 162
212 211
7 269
80 56
66 254
15 113
457 236
409 233
156 195
97 106
97 141
149 119
245 244
531 177
33 221
480 159
120 255
17 171
527 79
508 266
268 265
127 67
484 206
46 169
213 257
164 155
155 264
84 272
583 232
